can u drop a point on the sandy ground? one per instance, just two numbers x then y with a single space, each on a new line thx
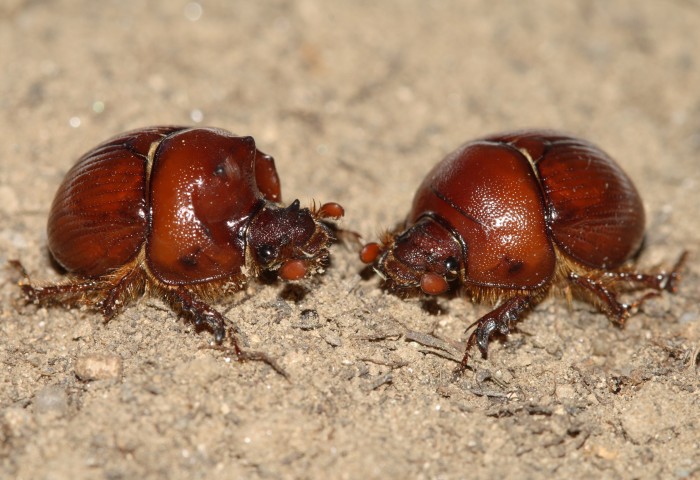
356 100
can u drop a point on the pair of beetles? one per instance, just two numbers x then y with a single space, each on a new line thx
190 214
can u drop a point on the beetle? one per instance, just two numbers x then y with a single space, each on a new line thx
184 214
509 216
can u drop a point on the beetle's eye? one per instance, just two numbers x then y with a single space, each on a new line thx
219 170
451 268
266 254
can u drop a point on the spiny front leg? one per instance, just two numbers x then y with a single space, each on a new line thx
201 313
204 314
500 319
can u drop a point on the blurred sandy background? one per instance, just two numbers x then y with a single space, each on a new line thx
355 100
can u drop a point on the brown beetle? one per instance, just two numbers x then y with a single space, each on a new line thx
185 214
511 215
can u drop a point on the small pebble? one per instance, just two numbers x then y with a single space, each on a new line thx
308 320
332 339
565 391
97 366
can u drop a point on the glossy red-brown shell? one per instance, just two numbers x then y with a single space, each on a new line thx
179 191
193 212
511 197
99 216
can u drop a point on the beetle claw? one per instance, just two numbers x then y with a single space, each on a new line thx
500 319
673 278
219 335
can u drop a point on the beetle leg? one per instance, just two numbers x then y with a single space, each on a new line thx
69 291
616 311
252 355
201 313
111 292
500 319
667 281
120 290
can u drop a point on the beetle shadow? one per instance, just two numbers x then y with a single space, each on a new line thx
432 307
53 262
293 292
642 246
267 277
367 273
431 304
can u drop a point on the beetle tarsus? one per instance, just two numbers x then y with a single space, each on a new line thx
500 320
249 355
25 284
201 312
674 276
17 265
70 291
257 356
663 281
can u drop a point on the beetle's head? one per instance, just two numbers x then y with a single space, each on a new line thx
291 240
427 256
